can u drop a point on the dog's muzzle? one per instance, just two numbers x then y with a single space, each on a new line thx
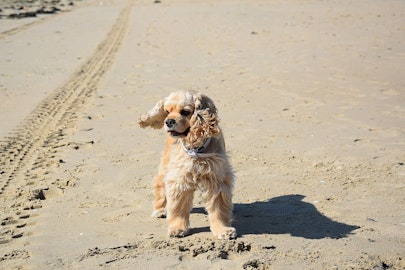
171 128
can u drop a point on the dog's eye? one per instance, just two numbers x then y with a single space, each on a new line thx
184 112
167 111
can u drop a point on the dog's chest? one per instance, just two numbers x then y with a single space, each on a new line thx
202 166
199 169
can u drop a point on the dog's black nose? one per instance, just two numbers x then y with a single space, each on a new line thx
170 123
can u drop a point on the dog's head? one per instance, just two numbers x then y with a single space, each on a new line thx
184 114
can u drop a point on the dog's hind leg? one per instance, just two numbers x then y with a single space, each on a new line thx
159 203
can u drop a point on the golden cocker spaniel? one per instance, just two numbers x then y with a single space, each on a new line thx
194 157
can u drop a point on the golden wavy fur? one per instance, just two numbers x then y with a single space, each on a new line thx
194 157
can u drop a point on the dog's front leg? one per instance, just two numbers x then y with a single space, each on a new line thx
219 206
179 204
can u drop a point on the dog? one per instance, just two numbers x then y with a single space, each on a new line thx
194 157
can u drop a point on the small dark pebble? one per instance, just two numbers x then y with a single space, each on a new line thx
182 248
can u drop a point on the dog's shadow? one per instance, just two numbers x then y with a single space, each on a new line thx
285 215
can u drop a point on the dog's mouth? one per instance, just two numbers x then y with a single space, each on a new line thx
174 133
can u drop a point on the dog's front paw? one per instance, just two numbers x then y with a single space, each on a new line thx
160 213
226 233
176 232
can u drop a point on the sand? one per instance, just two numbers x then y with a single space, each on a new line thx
311 99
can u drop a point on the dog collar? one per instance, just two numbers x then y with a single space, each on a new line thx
199 152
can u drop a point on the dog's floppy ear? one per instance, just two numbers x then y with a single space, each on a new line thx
204 103
155 117
204 122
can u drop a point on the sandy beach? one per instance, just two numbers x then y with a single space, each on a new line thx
311 96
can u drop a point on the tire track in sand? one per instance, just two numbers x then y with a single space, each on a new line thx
18 29
29 153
